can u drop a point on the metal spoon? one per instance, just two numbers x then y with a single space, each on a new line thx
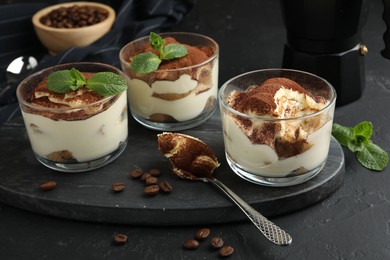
272 232
16 70
186 151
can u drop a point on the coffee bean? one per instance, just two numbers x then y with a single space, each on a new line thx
216 243
202 233
151 180
226 251
166 186
120 239
191 244
151 190
117 187
155 172
145 175
136 173
48 185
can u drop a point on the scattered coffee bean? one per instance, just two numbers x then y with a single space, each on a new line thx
145 175
226 251
202 233
151 190
216 243
151 180
155 172
166 186
117 187
120 239
191 244
48 185
136 173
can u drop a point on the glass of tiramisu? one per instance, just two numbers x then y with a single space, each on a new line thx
75 115
173 79
277 125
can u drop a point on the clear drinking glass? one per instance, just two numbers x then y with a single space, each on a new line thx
273 151
78 138
173 99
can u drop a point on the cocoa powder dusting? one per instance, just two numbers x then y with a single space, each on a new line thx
196 55
265 134
260 101
286 149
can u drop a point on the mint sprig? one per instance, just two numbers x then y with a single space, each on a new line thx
147 62
103 83
358 140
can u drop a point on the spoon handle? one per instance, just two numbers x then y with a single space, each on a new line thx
272 232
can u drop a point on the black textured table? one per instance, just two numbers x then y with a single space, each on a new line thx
88 196
351 223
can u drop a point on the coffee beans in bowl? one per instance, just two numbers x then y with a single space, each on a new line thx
74 24
74 16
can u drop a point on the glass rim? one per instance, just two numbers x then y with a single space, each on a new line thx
212 57
263 118
24 102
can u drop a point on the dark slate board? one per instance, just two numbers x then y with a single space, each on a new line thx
87 196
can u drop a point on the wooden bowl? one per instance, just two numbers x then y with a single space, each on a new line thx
57 40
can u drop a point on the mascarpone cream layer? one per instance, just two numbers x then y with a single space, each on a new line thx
263 160
143 103
86 139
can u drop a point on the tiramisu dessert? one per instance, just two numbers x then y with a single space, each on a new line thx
180 89
277 129
69 127
190 157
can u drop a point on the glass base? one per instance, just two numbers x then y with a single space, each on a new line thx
83 166
273 181
174 126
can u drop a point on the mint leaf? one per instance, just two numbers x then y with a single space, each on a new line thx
64 81
357 139
104 83
342 134
156 42
60 81
148 62
373 157
78 79
174 51
363 131
355 145
107 83
145 62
